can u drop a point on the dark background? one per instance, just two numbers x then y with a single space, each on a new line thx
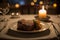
26 8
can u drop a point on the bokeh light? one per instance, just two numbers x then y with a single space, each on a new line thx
41 2
35 0
32 3
17 5
54 5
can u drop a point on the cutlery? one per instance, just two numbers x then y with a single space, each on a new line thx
56 31
4 26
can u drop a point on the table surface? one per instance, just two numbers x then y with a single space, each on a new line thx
48 34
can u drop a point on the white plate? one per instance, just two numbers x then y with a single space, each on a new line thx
45 26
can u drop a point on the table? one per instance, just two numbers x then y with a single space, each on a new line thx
52 33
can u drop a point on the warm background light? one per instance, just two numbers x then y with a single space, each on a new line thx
17 13
13 14
17 5
54 5
35 0
32 3
41 2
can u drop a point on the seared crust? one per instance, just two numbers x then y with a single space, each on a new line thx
28 25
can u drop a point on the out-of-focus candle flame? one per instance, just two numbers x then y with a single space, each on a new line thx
32 3
41 2
54 5
17 13
35 0
17 5
42 13
12 14
43 8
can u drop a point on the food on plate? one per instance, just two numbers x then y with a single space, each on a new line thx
28 25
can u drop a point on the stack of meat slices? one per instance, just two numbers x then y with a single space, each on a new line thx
28 25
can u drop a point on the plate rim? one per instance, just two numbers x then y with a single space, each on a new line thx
30 31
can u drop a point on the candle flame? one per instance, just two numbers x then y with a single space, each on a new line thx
54 5
17 13
42 13
35 0
32 3
42 7
17 5
42 10
41 2
12 13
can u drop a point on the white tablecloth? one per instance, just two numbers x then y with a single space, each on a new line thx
52 33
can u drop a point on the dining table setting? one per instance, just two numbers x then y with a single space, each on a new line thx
29 20
49 30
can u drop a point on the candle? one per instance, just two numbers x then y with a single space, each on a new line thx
42 13
12 13
17 5
32 3
41 2
17 13
35 0
54 5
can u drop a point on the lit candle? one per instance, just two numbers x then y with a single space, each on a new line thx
12 14
41 2
32 3
17 5
17 13
54 5
42 13
35 0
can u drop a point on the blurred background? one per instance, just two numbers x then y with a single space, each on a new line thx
30 6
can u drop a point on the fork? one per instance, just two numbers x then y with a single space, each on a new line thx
56 31
4 26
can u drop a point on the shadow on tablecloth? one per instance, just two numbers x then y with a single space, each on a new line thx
28 35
